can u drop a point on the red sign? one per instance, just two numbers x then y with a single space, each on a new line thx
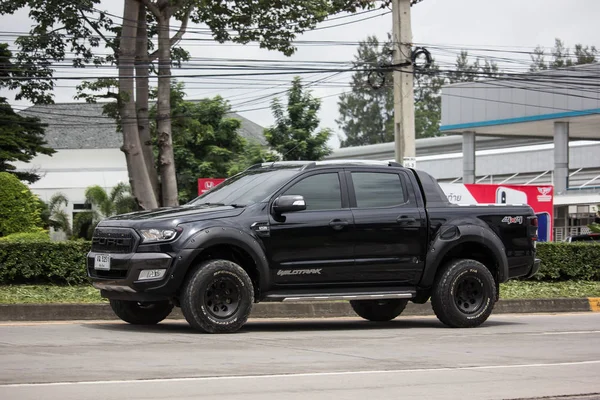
540 198
205 184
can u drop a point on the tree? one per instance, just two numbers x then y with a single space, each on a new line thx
59 219
294 134
104 205
367 112
595 226
60 26
206 142
562 57
21 138
19 210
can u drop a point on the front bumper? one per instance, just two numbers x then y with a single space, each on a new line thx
121 281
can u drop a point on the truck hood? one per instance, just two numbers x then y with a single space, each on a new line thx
172 216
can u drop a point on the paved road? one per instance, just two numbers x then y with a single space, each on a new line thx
512 356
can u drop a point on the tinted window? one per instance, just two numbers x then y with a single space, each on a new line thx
374 189
321 192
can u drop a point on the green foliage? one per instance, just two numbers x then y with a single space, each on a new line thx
119 201
78 31
21 139
367 112
252 154
206 142
595 226
19 208
58 218
562 57
568 261
49 294
27 261
26 237
294 134
515 289
43 262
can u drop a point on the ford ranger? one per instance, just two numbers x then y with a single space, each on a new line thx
373 233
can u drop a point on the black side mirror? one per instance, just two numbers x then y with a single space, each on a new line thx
289 203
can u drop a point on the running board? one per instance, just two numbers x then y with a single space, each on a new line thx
289 297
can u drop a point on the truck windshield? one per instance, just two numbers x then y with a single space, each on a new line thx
246 188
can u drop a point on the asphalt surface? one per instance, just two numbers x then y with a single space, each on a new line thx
511 356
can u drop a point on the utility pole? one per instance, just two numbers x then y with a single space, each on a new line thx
404 103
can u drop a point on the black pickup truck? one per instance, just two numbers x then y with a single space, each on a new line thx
373 233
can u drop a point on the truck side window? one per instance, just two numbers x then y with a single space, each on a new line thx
377 189
321 192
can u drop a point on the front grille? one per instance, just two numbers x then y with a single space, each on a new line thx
114 240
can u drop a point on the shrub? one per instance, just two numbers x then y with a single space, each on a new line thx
43 262
26 261
26 237
19 208
565 261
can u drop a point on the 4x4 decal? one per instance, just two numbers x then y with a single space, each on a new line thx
513 220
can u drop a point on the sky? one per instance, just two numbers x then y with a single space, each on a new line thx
443 26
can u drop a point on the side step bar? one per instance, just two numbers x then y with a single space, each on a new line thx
339 296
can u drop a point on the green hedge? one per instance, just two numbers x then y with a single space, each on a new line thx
43 262
568 261
64 262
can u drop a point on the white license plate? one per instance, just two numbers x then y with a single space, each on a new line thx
102 262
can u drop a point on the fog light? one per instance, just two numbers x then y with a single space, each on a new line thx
152 274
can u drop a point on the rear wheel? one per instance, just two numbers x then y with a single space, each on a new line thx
379 310
464 293
139 313
217 297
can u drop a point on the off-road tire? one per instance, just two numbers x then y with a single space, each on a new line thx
379 310
138 313
464 294
203 298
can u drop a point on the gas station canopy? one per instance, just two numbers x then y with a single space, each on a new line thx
526 105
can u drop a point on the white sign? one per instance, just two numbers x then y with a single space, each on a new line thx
409 162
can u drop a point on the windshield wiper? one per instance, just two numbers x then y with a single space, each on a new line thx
222 205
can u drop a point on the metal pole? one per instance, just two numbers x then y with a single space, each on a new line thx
404 107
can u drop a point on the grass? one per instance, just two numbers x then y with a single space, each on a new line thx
549 290
36 294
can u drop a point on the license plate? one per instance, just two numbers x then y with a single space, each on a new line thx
102 262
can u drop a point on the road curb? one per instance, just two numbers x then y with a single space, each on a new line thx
65 312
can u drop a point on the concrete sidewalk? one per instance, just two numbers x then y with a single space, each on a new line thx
62 312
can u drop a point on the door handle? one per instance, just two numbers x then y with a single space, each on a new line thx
406 220
338 224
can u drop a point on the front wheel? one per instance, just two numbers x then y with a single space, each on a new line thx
217 297
379 310
463 294
138 313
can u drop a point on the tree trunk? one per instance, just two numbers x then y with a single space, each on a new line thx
142 92
138 174
165 140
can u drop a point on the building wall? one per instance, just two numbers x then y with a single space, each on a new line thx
71 171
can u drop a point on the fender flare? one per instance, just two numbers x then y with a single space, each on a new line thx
449 237
227 235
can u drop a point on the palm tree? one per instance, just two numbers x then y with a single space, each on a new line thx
59 219
120 201
595 226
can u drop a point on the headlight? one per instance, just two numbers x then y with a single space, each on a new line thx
157 235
